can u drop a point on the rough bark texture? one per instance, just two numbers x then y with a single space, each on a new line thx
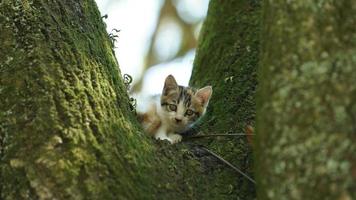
306 115
66 131
227 59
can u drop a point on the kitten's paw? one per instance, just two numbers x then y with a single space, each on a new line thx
162 137
175 138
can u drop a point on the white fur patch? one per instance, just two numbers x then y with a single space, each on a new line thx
162 134
175 138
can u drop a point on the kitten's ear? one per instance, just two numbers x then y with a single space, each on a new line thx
169 84
204 94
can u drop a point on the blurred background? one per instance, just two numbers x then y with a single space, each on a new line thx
156 38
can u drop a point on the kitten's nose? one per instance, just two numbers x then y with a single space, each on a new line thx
178 120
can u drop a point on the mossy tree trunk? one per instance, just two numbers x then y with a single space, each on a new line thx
306 115
66 130
227 59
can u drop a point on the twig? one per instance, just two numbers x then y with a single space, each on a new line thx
230 165
216 135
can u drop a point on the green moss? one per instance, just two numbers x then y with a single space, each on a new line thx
66 128
227 59
306 101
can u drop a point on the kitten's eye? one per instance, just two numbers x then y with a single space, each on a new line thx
172 107
189 112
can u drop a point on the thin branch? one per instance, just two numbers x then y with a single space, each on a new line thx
230 165
216 135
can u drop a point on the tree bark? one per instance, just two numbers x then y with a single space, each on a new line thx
227 59
306 121
66 130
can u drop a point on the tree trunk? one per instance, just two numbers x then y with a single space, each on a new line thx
227 59
306 115
66 130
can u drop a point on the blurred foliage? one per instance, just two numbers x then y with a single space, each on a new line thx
170 15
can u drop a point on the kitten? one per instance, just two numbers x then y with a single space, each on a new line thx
177 109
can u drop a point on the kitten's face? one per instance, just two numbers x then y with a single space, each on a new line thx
182 106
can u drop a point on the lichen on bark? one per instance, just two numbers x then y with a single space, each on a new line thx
306 101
